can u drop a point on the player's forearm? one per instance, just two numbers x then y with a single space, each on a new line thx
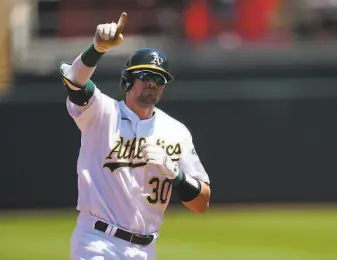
84 66
193 193
201 203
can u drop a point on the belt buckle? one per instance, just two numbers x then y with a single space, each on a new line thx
148 238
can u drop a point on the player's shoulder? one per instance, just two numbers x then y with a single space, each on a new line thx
102 97
176 126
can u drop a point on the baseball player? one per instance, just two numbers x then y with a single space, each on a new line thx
132 154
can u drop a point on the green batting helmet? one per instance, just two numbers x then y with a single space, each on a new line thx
144 60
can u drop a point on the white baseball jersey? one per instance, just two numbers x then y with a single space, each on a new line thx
114 182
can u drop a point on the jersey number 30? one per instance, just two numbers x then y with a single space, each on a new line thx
160 190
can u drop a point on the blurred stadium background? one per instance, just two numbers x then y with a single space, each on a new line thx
256 83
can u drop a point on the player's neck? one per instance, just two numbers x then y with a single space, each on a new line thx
141 111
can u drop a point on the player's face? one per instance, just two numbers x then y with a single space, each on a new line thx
148 88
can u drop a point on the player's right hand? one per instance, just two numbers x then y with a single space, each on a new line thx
110 34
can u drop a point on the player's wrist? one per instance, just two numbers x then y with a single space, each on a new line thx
99 48
177 180
91 56
186 186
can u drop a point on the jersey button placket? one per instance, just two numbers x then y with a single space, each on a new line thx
134 128
141 130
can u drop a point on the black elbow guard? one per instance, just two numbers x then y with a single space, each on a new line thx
187 187
81 96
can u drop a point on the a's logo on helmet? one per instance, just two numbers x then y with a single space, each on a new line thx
156 59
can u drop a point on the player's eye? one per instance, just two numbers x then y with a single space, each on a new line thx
151 77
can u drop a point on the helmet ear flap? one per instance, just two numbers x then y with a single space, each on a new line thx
126 80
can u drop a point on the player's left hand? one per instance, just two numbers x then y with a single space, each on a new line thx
155 155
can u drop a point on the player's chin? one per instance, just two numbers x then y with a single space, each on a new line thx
150 99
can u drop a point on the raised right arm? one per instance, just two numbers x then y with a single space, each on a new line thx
85 101
76 76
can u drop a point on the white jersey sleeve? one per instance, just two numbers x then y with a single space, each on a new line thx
98 108
100 105
190 163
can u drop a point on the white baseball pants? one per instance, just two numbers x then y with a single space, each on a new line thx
88 243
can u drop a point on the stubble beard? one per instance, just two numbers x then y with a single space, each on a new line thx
147 99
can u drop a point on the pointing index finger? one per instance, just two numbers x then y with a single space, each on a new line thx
121 24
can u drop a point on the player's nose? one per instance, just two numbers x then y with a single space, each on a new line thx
151 84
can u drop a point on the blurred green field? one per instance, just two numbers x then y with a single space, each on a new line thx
218 234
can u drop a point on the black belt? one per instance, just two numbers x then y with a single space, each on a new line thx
133 238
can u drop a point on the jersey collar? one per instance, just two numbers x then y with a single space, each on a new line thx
132 116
